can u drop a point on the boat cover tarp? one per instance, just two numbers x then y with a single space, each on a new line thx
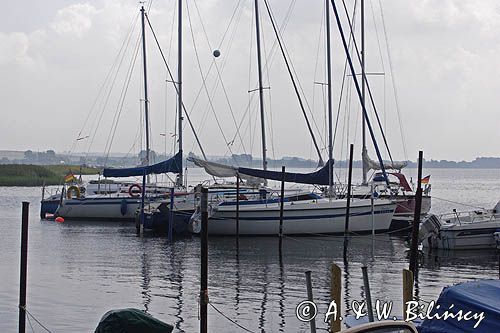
131 321
319 177
402 181
482 296
173 164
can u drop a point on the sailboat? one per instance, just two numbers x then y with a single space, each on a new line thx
309 214
123 204
398 190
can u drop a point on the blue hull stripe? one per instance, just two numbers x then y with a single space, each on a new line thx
304 217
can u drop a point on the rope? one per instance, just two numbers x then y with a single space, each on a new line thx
175 86
459 203
231 320
33 317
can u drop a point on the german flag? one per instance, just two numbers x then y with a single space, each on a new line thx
426 179
69 177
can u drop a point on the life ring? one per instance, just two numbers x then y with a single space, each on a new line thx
72 189
131 192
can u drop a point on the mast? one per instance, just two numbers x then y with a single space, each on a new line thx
180 177
261 92
146 101
364 152
329 87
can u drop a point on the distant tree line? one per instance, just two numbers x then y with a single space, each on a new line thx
246 160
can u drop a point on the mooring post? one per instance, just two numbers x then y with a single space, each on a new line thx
143 194
171 214
24 267
348 203
407 289
335 290
368 295
416 218
312 321
237 210
282 201
204 261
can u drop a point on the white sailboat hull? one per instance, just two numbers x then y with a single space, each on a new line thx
320 216
99 208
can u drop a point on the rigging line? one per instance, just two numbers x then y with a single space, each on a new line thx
269 114
176 88
203 80
119 108
230 22
250 96
222 66
106 101
393 79
220 77
358 90
280 32
316 65
364 78
106 79
293 82
344 75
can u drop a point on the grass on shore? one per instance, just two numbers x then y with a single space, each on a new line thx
37 175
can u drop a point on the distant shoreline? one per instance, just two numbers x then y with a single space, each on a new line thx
38 175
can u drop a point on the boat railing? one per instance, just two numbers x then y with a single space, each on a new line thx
468 216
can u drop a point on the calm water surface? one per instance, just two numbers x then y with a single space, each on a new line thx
78 271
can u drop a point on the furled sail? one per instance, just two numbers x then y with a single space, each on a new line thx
374 165
222 170
319 177
173 164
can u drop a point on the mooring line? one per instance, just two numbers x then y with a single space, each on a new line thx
231 320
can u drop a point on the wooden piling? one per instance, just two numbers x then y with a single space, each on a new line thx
282 200
335 290
171 214
24 267
348 203
407 288
237 210
312 321
368 295
204 261
416 218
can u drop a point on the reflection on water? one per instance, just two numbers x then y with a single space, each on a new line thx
78 271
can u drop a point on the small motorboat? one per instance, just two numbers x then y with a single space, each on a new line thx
461 230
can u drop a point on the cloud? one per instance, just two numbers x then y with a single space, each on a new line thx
74 20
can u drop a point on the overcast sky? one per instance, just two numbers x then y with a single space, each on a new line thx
55 56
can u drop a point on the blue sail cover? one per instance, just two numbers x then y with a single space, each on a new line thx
482 296
319 177
173 165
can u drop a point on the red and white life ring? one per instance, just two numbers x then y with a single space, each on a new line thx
131 190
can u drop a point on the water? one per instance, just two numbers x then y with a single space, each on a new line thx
78 271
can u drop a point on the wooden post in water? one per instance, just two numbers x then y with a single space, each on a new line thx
368 294
416 218
24 267
204 261
282 201
237 210
407 289
348 203
312 321
335 290
171 214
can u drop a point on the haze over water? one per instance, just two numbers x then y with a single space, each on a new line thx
78 270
